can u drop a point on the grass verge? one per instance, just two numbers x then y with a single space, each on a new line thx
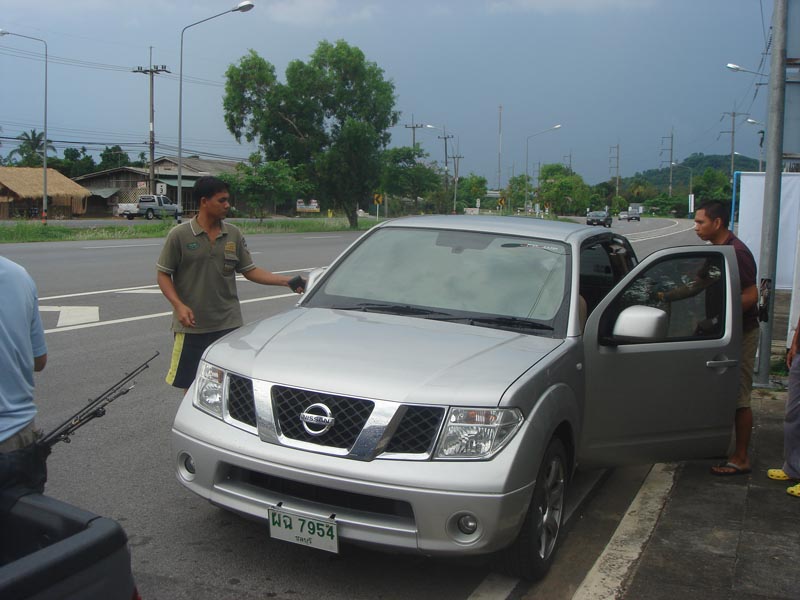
25 231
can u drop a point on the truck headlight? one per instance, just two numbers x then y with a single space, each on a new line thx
209 389
477 433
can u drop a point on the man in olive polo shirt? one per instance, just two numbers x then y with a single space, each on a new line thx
197 274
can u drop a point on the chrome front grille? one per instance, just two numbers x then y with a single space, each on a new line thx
362 429
417 431
241 403
350 416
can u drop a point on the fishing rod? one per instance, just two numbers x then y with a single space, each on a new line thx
94 409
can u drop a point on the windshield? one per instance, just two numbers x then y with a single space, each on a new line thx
597 214
451 275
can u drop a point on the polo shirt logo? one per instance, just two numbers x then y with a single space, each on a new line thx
192 246
230 247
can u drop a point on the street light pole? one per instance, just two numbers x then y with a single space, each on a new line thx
241 7
44 152
527 176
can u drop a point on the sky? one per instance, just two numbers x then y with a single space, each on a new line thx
644 75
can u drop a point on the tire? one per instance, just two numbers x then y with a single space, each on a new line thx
149 214
130 217
531 554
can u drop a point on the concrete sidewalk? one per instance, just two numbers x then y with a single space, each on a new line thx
728 537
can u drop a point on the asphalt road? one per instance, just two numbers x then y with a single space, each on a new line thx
121 465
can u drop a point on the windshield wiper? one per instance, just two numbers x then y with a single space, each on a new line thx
513 323
393 309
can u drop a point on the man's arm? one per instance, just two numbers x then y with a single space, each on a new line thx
183 312
749 297
793 348
264 277
39 362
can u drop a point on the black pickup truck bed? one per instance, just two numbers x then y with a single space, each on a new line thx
51 549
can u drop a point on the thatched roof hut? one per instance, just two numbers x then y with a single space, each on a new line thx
21 188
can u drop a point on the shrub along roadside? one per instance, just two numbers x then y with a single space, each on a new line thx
26 231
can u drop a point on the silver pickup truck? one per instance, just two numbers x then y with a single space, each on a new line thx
436 387
149 207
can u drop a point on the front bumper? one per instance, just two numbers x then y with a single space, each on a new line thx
403 505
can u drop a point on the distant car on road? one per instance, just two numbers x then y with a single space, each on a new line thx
599 217
634 215
439 404
149 207
623 216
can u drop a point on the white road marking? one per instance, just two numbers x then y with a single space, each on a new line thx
74 315
494 587
118 290
623 550
117 246
150 290
144 287
150 316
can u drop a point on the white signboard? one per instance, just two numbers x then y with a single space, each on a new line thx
161 189
751 207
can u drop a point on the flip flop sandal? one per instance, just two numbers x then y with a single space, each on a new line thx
728 469
777 475
794 490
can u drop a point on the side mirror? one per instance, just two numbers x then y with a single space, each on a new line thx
641 324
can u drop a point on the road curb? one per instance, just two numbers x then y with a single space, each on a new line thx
612 568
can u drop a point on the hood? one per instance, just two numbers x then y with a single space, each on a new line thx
379 356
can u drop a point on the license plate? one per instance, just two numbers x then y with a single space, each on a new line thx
291 527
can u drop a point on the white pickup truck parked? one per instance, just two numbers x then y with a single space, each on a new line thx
149 207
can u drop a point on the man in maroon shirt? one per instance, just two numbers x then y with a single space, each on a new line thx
711 224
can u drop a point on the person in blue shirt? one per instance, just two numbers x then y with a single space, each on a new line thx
790 471
22 351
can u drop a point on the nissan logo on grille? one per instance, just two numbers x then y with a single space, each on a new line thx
317 419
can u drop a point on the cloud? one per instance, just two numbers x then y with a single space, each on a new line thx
573 6
320 12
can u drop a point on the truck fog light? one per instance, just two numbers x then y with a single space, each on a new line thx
188 464
467 524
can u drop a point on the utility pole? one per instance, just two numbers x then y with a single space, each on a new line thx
499 144
568 161
733 115
770 219
413 127
671 139
445 137
151 71
456 158
613 165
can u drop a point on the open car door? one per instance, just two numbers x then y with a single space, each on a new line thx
662 354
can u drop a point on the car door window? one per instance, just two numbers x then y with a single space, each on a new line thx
603 264
690 289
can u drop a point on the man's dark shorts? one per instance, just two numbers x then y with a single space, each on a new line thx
186 354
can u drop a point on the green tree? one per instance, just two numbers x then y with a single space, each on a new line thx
640 190
471 188
713 184
562 191
76 162
31 148
515 192
402 174
331 117
262 184
113 157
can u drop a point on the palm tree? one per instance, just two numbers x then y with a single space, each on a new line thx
31 147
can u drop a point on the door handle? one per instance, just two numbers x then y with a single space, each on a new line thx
718 364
